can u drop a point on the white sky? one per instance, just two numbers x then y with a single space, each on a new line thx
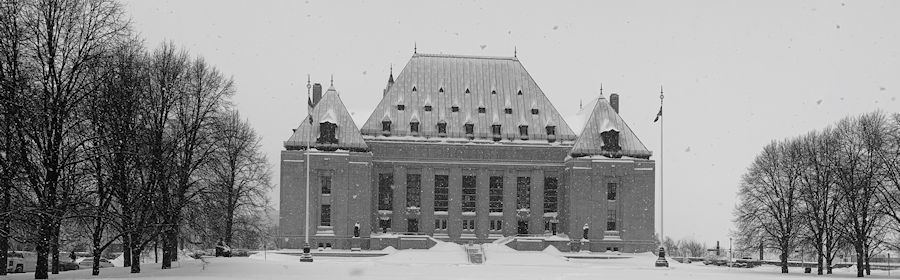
737 74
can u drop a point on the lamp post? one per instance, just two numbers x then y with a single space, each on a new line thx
307 256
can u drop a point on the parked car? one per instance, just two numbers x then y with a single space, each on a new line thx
89 263
21 261
66 266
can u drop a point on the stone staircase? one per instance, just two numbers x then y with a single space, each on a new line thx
475 253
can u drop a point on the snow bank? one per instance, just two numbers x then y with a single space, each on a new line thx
389 249
552 251
497 254
442 253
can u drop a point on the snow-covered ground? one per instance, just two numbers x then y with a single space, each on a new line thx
446 261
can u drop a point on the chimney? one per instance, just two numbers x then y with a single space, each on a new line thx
614 102
317 93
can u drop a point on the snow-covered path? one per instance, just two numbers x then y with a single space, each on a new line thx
445 263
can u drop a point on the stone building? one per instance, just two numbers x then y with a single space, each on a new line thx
467 149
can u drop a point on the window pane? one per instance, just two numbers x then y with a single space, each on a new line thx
325 218
468 194
551 192
611 191
385 191
441 192
523 193
413 190
495 195
326 184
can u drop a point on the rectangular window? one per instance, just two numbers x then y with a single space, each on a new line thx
441 192
551 130
440 224
470 129
523 193
384 225
508 111
327 133
551 187
482 110
442 127
412 225
386 126
413 190
523 131
611 219
468 193
385 191
495 194
414 127
454 109
401 107
427 108
496 225
534 111
325 216
468 225
611 189
326 184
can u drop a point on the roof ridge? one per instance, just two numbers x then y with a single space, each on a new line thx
466 56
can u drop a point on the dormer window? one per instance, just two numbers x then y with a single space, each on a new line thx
441 90
467 90
551 133
508 111
534 111
482 110
442 128
414 89
610 141
401 107
427 108
493 92
414 127
470 130
386 127
519 93
523 132
327 133
495 132
454 109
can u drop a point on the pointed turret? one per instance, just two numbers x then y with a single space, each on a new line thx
332 128
605 133
390 81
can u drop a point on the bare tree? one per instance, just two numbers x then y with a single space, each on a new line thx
820 204
769 197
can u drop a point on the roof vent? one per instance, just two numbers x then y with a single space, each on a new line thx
414 89
441 90
467 90
519 93
493 92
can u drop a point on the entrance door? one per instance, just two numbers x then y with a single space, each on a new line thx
523 227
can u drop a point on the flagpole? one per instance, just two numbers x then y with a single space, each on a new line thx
661 261
307 256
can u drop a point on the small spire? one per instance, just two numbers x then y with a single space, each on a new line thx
332 80
580 104
515 51
391 76
308 83
415 48
601 89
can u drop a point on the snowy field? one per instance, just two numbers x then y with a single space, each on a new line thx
446 261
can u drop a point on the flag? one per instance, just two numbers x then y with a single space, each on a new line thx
658 115
309 109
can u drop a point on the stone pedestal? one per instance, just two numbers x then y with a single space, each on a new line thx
306 256
585 245
355 244
661 261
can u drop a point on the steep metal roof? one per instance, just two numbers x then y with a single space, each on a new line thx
466 83
604 118
330 109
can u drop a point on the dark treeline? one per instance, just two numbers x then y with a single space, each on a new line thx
104 141
830 191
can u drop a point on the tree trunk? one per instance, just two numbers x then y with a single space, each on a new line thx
784 259
868 267
43 247
168 248
95 269
859 259
135 259
4 225
126 250
54 248
821 258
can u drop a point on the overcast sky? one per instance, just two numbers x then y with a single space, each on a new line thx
737 74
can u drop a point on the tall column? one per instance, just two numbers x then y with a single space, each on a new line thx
426 224
536 221
454 220
482 224
510 221
398 220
